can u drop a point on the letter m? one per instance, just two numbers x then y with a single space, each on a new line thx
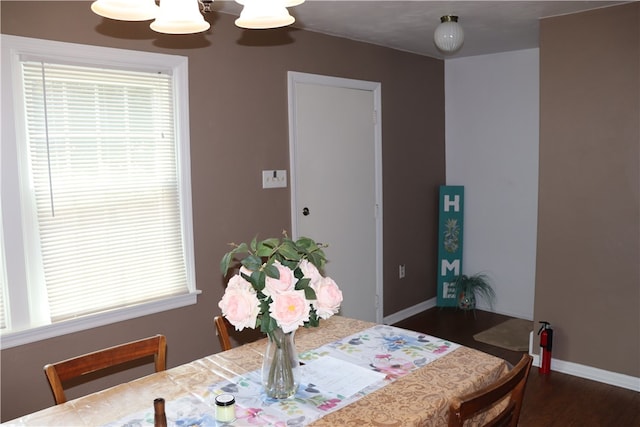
448 266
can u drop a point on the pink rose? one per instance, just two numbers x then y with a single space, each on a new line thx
329 297
285 283
240 304
310 271
290 309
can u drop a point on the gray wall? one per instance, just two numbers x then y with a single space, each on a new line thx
588 259
238 109
492 124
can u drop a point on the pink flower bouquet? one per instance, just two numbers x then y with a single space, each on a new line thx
279 285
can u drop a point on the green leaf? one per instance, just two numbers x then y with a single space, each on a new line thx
252 263
297 272
268 323
264 305
248 278
253 243
272 242
290 264
317 259
289 251
306 243
302 283
260 278
264 251
271 271
309 293
314 320
225 262
288 241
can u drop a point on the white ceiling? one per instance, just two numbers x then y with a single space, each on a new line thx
489 26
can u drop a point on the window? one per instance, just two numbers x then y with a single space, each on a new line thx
103 192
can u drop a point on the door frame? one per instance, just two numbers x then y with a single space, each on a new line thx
294 77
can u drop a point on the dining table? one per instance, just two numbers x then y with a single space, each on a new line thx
353 373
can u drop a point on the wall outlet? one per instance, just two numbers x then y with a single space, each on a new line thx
274 179
401 271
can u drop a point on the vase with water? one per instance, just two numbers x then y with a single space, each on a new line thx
280 366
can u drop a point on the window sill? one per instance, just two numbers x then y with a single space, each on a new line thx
16 338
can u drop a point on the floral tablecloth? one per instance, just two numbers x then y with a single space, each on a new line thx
418 375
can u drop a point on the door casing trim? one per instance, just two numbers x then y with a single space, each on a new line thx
294 77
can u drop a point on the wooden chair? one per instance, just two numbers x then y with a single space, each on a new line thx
60 372
511 386
223 332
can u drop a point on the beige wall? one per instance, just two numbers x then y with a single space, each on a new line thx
588 260
238 109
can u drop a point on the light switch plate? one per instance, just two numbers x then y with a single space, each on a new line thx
274 179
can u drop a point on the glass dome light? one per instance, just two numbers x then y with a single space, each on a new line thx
449 35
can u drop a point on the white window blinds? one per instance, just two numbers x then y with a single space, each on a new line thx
103 163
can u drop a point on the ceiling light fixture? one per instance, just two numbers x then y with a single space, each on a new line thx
126 10
179 17
262 14
287 3
183 16
449 35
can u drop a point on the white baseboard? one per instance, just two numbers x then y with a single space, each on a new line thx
570 368
408 312
588 372
525 316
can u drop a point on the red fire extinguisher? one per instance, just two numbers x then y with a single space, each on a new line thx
546 339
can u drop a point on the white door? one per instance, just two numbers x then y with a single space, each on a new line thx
336 195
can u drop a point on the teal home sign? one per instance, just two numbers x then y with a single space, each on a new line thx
449 242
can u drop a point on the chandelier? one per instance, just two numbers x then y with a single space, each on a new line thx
184 17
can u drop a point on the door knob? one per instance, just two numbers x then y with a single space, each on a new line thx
305 211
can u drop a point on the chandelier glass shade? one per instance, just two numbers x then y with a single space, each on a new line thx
179 17
263 14
126 10
287 3
449 35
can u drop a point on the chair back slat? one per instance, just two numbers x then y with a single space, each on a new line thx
223 332
511 387
60 372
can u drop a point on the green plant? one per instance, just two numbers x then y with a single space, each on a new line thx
469 288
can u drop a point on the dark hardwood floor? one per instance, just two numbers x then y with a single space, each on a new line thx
554 400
